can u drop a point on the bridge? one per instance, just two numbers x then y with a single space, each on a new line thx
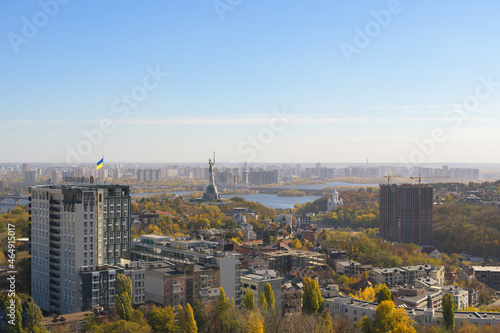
16 198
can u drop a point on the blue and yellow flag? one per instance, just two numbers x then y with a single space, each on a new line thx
100 163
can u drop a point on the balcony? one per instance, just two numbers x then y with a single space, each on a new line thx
54 268
54 202
54 282
55 261
54 253
54 224
54 231
52 296
54 216
55 290
55 238
54 275
54 246
54 209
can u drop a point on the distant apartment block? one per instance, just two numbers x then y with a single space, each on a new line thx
488 274
406 213
406 274
285 261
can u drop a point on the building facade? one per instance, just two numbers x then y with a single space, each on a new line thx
406 213
74 228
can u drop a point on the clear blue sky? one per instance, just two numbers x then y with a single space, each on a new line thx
227 77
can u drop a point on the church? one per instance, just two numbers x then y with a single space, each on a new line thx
334 201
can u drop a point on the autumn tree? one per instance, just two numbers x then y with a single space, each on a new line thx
254 323
384 294
312 301
262 301
390 319
448 312
368 294
324 322
162 319
249 301
226 318
269 294
187 324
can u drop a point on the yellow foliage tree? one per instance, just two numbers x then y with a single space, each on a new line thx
368 294
392 320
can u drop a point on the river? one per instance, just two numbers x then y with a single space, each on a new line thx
274 201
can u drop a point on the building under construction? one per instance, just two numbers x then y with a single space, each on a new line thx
406 213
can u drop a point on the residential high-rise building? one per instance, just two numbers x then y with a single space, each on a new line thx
76 229
406 213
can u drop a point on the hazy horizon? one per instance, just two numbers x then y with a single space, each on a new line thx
398 81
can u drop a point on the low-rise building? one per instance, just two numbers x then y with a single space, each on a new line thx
347 267
460 296
137 275
488 274
353 309
285 261
406 274
418 298
291 300
256 280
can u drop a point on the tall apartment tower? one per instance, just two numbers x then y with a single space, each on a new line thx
406 213
75 229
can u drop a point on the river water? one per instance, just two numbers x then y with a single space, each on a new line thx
274 201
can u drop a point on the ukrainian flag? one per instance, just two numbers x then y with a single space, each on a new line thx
100 163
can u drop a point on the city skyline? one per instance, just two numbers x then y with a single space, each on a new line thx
391 81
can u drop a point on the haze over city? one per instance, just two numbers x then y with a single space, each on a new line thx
335 82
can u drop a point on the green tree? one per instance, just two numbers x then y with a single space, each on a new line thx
123 306
123 297
263 301
384 294
12 306
268 292
312 301
123 284
162 319
249 301
34 318
448 312
266 237
187 324
199 316
222 312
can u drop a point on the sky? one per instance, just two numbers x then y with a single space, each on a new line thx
256 81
